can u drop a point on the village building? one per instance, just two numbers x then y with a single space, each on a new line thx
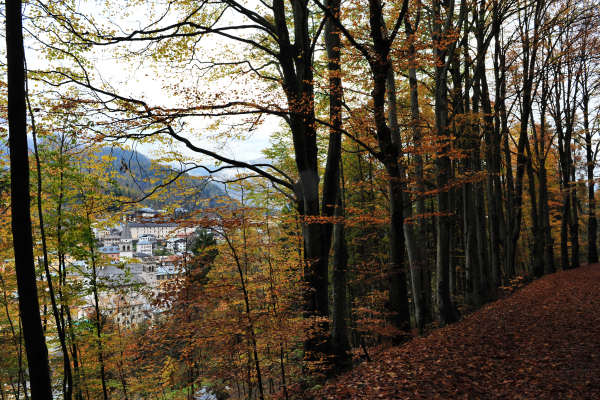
145 247
140 214
161 230
167 271
123 297
109 237
126 246
112 252
177 245
149 237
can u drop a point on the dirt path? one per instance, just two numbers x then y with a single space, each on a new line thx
543 342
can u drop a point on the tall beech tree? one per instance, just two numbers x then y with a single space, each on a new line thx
414 225
443 23
565 91
588 81
542 142
35 342
339 333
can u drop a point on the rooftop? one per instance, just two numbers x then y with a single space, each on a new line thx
151 224
109 249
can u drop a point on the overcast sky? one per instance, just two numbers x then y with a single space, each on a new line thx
144 79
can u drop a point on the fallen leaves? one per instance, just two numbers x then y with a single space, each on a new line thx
542 342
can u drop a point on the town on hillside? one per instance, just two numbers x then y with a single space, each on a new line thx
137 255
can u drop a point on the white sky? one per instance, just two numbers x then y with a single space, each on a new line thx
145 79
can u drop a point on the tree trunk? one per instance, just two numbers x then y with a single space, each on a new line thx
538 235
77 381
331 189
565 164
488 250
398 305
529 45
388 139
497 140
398 288
97 314
592 223
446 311
544 212
574 220
564 234
295 61
339 336
59 321
469 139
414 227
35 344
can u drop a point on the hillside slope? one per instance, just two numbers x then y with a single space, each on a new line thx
543 342
138 175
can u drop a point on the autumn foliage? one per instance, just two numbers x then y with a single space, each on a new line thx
352 186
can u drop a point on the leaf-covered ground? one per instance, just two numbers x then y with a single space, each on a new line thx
543 342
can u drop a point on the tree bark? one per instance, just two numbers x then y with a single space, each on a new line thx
541 153
468 136
388 139
538 235
574 226
414 227
331 189
447 313
592 223
35 344
297 71
339 335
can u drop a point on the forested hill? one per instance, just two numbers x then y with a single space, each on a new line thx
138 175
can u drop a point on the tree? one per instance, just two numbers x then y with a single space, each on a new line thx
443 54
35 343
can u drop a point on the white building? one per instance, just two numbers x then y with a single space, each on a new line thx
159 230
145 247
149 237
177 245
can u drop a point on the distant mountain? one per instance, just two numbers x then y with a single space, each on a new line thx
230 190
138 175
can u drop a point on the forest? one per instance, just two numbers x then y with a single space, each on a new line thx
299 199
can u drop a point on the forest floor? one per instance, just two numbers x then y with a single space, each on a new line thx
542 342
